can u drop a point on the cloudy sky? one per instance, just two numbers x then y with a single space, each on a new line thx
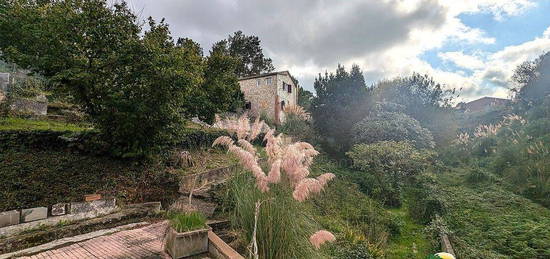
468 44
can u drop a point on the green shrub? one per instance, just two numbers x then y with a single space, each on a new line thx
298 128
478 175
184 222
423 201
392 126
391 164
357 251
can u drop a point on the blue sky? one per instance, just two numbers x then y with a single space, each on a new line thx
473 45
512 30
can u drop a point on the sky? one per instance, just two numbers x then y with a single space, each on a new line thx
471 45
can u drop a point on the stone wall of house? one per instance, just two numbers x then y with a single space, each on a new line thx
283 93
4 81
261 96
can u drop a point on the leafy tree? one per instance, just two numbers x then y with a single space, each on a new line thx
424 100
391 164
220 90
392 126
305 98
533 79
119 75
339 105
249 53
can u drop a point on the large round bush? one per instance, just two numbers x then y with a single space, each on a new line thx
392 126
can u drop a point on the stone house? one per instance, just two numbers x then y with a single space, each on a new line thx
4 82
483 104
267 94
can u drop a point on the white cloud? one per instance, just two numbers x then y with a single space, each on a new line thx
385 37
462 60
546 33
500 66
499 8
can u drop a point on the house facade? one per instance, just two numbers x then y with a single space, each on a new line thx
4 82
267 94
483 104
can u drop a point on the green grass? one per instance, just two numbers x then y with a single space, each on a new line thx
31 124
412 242
184 222
489 221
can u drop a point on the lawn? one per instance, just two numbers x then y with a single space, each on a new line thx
32 124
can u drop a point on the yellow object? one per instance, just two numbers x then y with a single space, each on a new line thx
445 256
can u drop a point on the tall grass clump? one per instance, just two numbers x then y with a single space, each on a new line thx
283 225
268 197
183 222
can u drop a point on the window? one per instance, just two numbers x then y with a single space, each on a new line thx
289 88
258 82
282 105
268 81
248 105
284 86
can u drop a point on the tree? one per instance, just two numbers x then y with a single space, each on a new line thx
249 53
391 164
119 75
305 98
533 79
220 90
392 126
424 100
339 104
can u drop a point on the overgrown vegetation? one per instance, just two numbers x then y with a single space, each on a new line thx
34 177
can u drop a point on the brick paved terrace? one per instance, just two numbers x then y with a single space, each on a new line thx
143 242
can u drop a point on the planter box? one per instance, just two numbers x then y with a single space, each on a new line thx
180 245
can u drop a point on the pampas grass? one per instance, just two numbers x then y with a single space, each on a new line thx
297 111
278 229
283 225
320 237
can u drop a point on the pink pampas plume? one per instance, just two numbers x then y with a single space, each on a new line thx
274 175
243 127
308 186
255 129
223 141
305 188
247 146
320 237
324 178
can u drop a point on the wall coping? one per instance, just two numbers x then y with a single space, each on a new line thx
221 250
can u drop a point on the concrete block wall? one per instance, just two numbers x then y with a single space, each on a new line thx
14 218
9 218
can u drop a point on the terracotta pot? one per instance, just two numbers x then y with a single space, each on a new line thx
184 244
